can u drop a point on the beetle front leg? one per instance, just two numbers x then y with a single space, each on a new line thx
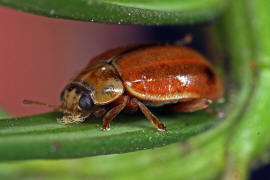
151 117
112 113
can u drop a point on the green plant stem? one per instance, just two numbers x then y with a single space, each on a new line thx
41 136
249 139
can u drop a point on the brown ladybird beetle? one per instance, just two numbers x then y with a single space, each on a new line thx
140 76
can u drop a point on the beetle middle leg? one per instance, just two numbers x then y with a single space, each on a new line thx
151 117
113 112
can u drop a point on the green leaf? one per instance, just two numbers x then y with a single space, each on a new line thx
41 136
158 12
250 135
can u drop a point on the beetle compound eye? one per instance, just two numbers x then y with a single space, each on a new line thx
62 95
85 102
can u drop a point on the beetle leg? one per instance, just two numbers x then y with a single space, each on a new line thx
187 39
216 112
112 113
98 112
151 117
190 106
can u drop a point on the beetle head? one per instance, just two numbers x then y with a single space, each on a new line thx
76 103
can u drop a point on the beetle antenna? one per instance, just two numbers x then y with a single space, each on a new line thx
55 107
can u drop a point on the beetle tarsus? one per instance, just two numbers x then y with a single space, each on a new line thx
105 128
161 127
216 112
187 39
